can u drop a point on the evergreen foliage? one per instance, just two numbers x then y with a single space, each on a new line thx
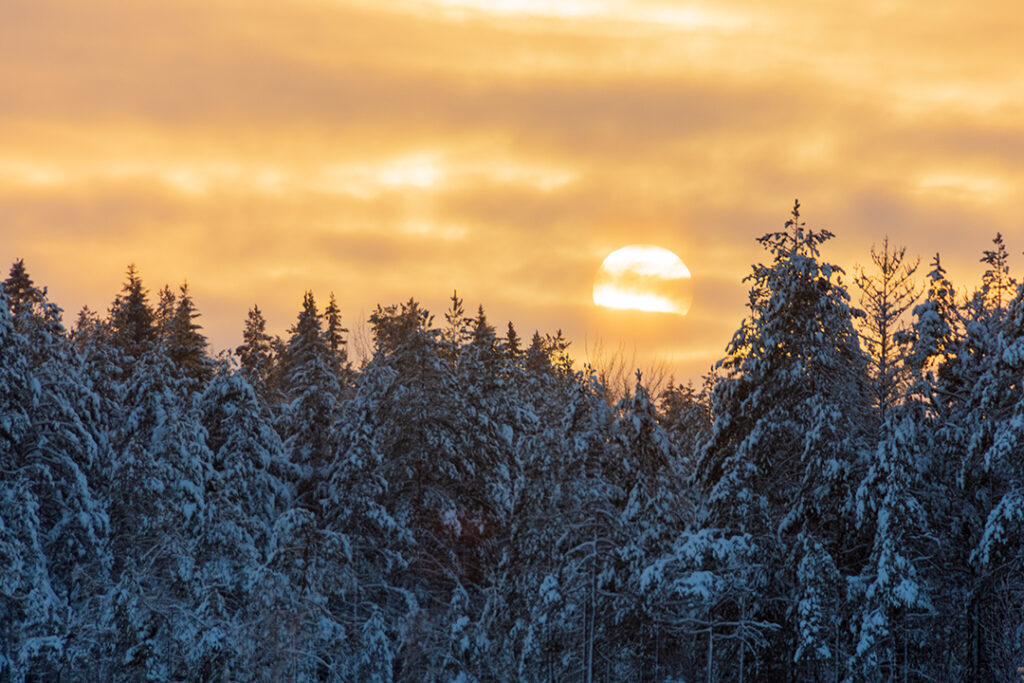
842 498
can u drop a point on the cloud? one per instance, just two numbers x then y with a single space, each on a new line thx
504 149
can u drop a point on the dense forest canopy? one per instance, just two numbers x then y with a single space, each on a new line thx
842 499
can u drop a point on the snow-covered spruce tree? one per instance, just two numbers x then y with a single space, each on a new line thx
62 450
968 376
131 320
572 616
31 613
184 343
520 405
939 362
244 496
156 492
420 434
893 611
655 512
892 608
787 445
305 559
312 391
488 405
685 415
991 479
367 597
256 355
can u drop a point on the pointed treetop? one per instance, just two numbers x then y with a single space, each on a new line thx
22 294
457 325
483 332
257 354
335 333
165 308
186 344
131 317
512 341
997 287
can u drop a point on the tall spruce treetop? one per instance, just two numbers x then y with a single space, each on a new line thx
334 334
513 342
306 340
936 336
186 345
256 352
997 286
163 316
34 315
131 317
312 389
21 292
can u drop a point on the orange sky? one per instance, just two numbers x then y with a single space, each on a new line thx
392 149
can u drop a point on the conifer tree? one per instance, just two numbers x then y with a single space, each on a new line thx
256 353
886 295
513 343
163 315
30 629
186 345
22 294
244 496
312 391
156 490
131 318
334 334
686 417
787 443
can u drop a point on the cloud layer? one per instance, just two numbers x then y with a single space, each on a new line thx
503 148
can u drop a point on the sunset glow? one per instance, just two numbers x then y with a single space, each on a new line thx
500 148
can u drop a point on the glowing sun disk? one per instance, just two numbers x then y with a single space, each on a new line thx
643 277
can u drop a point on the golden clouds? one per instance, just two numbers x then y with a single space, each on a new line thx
500 147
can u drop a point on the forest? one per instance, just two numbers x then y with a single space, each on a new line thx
841 499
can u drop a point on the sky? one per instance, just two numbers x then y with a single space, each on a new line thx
502 148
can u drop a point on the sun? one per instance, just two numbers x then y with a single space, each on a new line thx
643 277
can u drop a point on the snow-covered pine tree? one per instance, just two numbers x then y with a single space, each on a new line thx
421 432
585 494
655 512
893 611
685 415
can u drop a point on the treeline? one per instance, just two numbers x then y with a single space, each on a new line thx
843 499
